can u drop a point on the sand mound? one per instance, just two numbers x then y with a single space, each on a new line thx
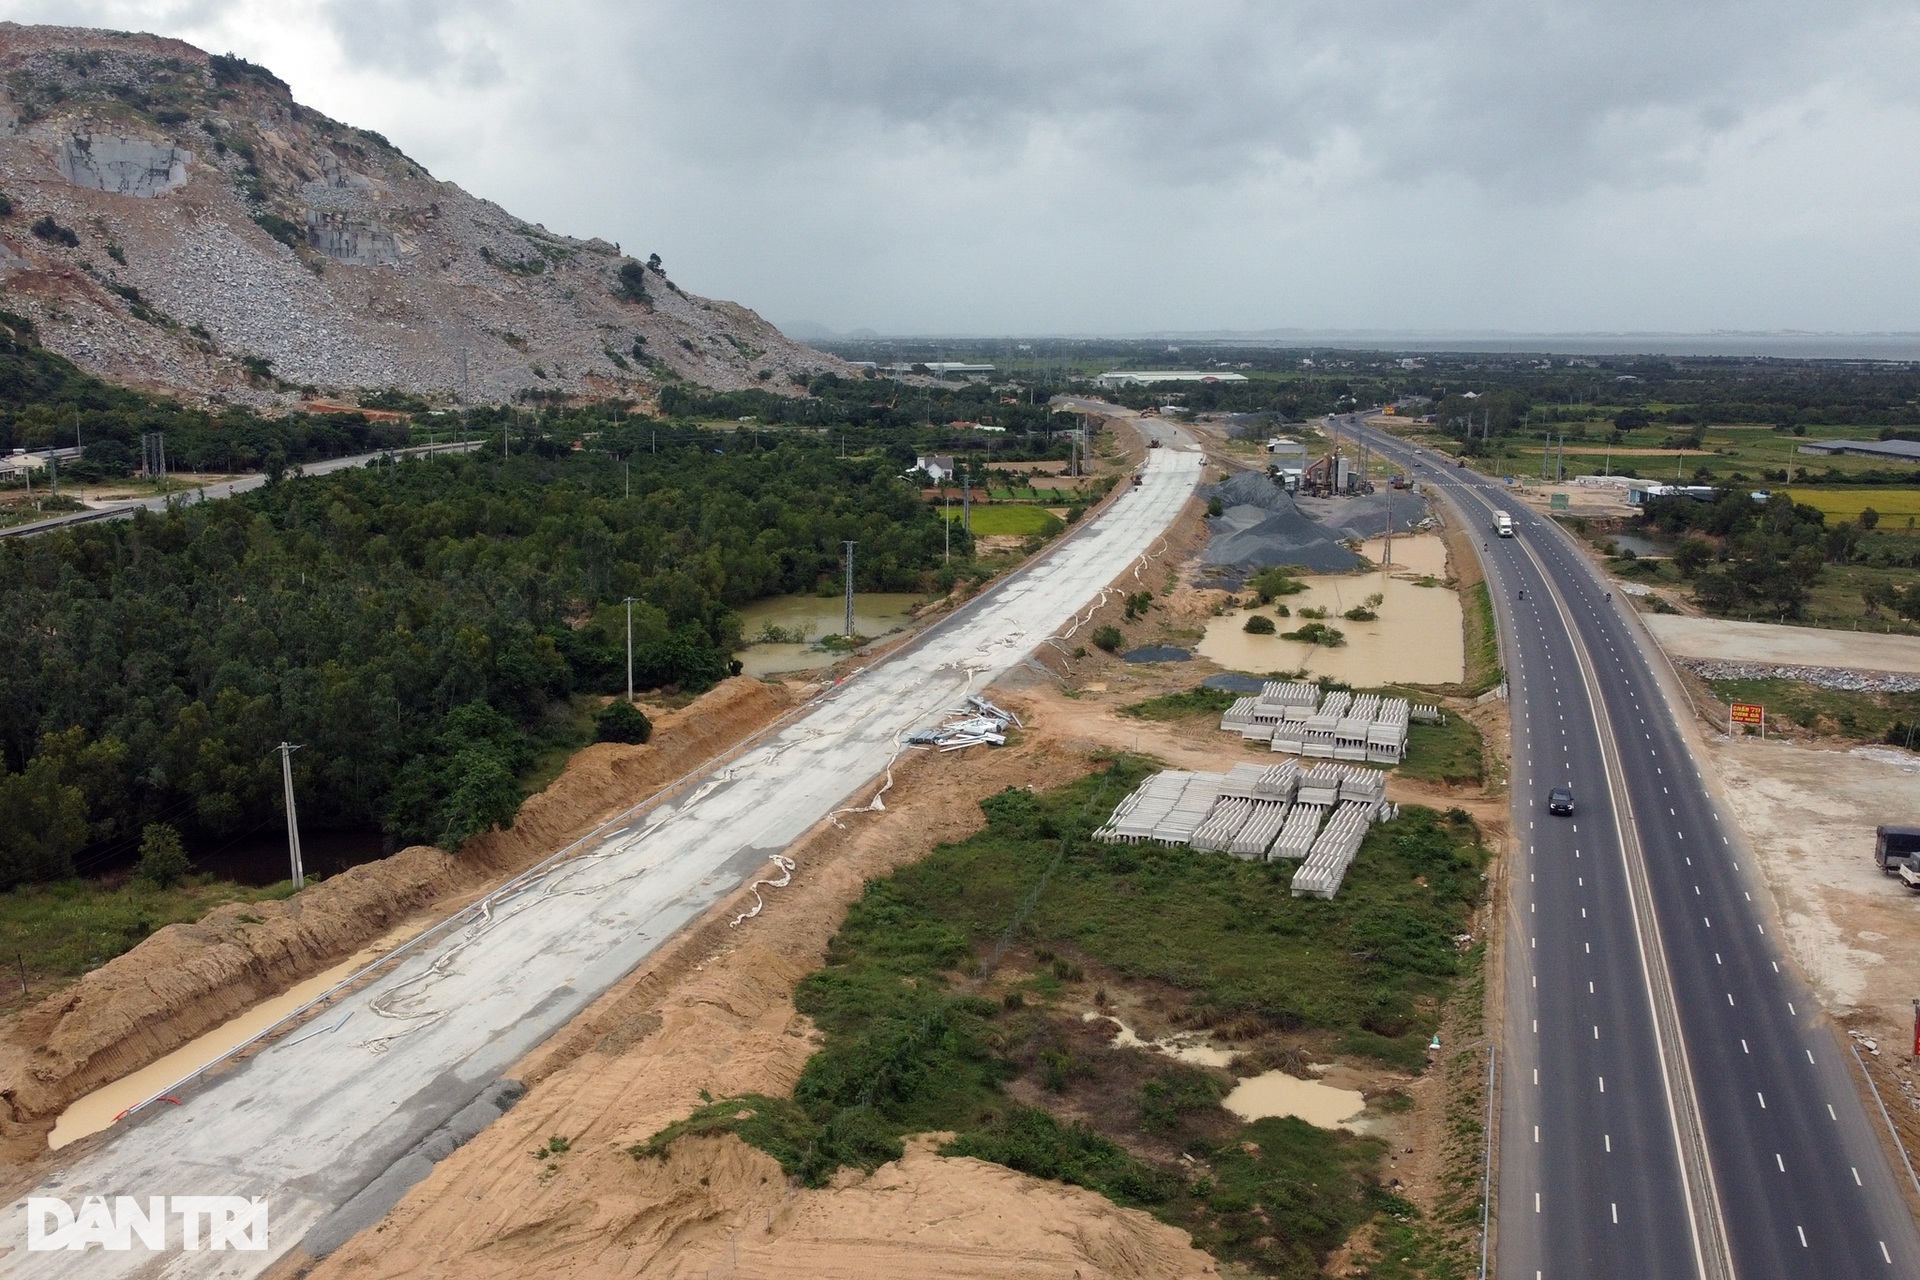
189 978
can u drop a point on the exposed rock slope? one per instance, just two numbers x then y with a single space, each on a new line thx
199 231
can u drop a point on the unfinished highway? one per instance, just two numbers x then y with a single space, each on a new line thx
1673 1101
333 1122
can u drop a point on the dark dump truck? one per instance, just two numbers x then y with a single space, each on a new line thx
1896 851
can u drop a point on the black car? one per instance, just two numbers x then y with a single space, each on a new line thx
1560 801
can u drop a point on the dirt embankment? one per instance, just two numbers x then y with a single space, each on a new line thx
189 978
713 1011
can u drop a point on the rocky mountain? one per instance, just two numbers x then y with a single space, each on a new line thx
175 220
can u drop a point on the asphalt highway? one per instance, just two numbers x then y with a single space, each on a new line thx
1673 1100
332 1124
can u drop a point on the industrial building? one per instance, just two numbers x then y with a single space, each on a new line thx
1885 450
1147 377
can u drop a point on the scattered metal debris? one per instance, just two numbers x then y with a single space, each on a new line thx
979 721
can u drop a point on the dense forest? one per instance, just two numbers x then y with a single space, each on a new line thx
421 627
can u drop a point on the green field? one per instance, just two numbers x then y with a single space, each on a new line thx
1899 508
1017 521
60 931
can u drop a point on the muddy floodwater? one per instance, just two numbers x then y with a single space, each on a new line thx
874 614
1416 640
1275 1093
104 1105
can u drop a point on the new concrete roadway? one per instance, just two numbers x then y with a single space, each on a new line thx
332 1125
1673 1101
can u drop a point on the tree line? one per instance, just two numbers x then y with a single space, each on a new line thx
423 627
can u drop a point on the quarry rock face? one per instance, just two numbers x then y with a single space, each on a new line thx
180 223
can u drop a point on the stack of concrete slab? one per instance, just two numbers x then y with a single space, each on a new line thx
1280 782
1242 780
1350 731
1363 786
1333 850
1317 738
1239 715
1321 785
1196 801
1296 835
1222 825
1251 811
1387 735
1134 818
1255 718
1257 833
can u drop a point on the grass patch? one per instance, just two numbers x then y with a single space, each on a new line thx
1483 647
1022 522
1198 700
62 930
1894 505
909 1047
1449 752
1829 713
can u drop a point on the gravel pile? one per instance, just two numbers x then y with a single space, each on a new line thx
1261 526
1365 516
1821 677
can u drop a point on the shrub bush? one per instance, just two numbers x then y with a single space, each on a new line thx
1260 625
1108 638
163 859
621 721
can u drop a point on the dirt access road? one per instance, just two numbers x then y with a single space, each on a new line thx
332 1128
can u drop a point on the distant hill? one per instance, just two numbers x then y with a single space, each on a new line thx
176 221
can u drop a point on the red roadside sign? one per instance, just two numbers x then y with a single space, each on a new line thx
1748 713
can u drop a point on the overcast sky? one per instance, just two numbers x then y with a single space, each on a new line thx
921 166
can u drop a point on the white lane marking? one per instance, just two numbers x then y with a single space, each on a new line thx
1603 1084
1810 1061
1790 1009
1608 1139
1536 1133
1762 1097
1803 1234
1782 1163
1743 1045
1616 1211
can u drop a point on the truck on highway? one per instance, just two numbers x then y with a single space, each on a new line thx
1896 848
1503 524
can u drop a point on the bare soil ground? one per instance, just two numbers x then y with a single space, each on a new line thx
1726 640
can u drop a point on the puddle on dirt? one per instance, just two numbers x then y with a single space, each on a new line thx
99 1109
874 614
1275 1093
1416 640
1187 1046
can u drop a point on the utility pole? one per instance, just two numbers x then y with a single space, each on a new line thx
286 750
966 501
849 628
53 474
628 464
503 440
629 603
946 509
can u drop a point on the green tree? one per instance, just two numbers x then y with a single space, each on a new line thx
1691 554
1260 625
163 858
1108 638
43 822
621 721
1869 518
